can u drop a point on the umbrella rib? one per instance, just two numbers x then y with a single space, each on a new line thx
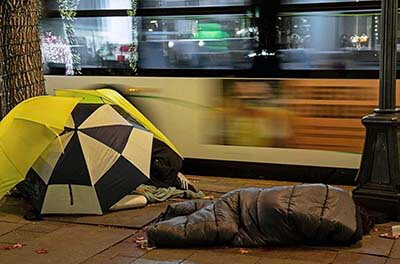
70 194
8 158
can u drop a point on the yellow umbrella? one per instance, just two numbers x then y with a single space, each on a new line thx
26 132
109 96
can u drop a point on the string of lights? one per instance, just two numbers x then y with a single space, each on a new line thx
133 59
67 10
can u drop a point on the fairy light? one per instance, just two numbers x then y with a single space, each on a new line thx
133 58
67 10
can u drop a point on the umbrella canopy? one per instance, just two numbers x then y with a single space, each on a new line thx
99 158
26 132
109 96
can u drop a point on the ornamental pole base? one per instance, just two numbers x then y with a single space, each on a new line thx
378 179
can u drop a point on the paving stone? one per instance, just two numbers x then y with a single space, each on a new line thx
355 258
19 236
297 253
258 252
42 226
211 257
395 252
216 187
226 184
200 178
133 218
126 249
374 245
150 261
7 227
105 259
68 244
239 181
267 260
165 256
392 261
13 209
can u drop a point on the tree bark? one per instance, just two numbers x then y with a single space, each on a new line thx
21 68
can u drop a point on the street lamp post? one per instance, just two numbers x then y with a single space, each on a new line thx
379 175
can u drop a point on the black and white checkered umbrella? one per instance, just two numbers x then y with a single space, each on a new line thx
101 157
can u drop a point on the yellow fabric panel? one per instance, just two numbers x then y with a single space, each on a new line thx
87 96
24 141
9 175
49 110
113 97
26 132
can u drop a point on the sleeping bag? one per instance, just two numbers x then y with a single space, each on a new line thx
250 217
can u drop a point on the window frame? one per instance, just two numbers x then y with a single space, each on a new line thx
256 72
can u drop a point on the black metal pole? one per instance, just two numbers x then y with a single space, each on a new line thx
378 179
387 85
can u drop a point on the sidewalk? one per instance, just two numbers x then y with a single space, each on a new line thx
112 238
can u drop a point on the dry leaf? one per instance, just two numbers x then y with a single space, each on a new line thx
9 247
41 251
390 236
18 245
243 251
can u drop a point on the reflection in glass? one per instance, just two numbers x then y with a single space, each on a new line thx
329 40
320 1
196 42
95 4
103 42
190 3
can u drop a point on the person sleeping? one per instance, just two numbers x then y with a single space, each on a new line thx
253 217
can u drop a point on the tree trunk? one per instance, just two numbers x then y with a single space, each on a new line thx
21 69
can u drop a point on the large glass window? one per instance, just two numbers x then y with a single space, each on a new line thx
321 1
191 3
207 37
101 36
329 40
95 4
204 42
101 42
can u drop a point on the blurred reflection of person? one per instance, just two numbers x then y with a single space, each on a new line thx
364 39
344 41
355 41
295 41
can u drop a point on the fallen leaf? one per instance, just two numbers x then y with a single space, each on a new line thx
9 247
243 251
390 236
375 229
18 245
41 251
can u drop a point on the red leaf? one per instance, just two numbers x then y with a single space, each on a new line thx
41 251
7 247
